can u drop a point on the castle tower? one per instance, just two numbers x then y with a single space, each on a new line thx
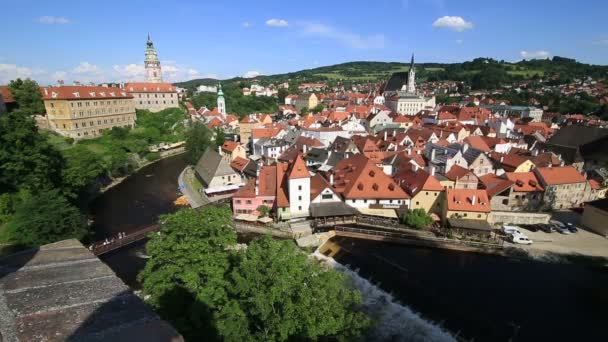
153 71
298 187
221 103
411 78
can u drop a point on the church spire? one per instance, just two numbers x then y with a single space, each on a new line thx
412 62
152 63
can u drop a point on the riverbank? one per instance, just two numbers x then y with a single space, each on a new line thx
118 180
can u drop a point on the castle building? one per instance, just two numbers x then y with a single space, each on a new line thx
84 112
406 100
152 63
153 96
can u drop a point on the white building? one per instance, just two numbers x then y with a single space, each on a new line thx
407 101
299 189
206 89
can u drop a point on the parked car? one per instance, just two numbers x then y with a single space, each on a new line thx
520 239
560 227
572 228
547 228
531 227
510 230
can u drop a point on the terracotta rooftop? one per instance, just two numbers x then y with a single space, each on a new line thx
7 96
457 172
298 169
268 181
145 87
239 163
83 93
317 184
524 181
247 191
415 181
230 145
560 175
495 184
475 200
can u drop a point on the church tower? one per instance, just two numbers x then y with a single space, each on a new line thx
221 103
153 71
411 78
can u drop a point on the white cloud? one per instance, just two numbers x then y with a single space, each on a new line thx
170 68
129 72
459 41
192 72
214 76
353 40
251 74
541 54
454 23
86 68
59 75
10 72
247 24
277 22
49 19
602 42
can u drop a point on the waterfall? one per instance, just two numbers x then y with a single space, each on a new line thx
395 322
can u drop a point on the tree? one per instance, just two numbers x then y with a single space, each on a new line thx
220 137
263 210
318 108
304 111
44 218
27 96
82 169
198 138
281 95
417 219
26 158
269 292
278 293
185 276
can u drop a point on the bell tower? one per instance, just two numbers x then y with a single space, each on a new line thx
153 70
411 78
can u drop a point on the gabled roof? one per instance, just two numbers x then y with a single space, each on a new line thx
282 196
247 191
230 146
211 164
83 93
239 164
559 175
359 178
317 184
494 184
475 200
457 172
298 168
478 143
524 181
268 180
415 181
148 87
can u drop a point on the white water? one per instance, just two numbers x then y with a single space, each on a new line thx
395 322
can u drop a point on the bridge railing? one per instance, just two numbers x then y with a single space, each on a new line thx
100 248
416 237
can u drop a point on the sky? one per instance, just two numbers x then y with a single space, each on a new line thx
97 41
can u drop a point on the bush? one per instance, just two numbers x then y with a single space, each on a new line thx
417 219
152 156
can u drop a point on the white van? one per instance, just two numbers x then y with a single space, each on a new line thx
520 239
508 230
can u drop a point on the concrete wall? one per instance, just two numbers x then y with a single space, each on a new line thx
518 217
596 220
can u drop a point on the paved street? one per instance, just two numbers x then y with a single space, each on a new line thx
583 242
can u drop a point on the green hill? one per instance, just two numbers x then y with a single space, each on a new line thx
479 73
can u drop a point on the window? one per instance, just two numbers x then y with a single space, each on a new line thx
327 196
299 187
426 193
417 203
248 202
299 208
299 198
238 201
478 215
465 215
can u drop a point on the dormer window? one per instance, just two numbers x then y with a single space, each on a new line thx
76 94
360 186
372 173
92 94
391 187
375 186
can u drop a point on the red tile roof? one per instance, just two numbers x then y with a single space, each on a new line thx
247 191
298 168
456 172
7 96
477 142
560 175
239 163
146 87
317 184
84 93
415 181
494 184
268 180
230 145
358 177
282 196
475 200
524 181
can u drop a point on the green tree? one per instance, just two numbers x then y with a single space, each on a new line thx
26 158
263 210
27 95
44 218
278 293
304 111
220 137
417 219
198 138
82 169
185 276
318 108
281 95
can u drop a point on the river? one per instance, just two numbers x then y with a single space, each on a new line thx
480 297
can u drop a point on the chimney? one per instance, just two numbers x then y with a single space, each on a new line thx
502 158
257 181
432 170
432 154
473 200
385 135
331 179
465 147
304 148
534 153
409 151
46 92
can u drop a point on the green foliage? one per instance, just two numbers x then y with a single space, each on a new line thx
277 293
198 138
27 96
417 219
263 210
153 156
82 169
185 276
236 102
269 292
220 137
304 111
282 94
44 218
27 160
318 108
490 77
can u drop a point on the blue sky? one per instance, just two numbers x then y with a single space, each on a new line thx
105 41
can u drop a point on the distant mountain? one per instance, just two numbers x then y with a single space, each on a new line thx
480 72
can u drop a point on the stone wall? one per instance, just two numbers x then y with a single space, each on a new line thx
518 217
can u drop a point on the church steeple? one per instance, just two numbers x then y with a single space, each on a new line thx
152 63
411 78
221 103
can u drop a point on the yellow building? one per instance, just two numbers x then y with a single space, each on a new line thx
250 122
308 100
153 96
425 189
84 112
471 204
